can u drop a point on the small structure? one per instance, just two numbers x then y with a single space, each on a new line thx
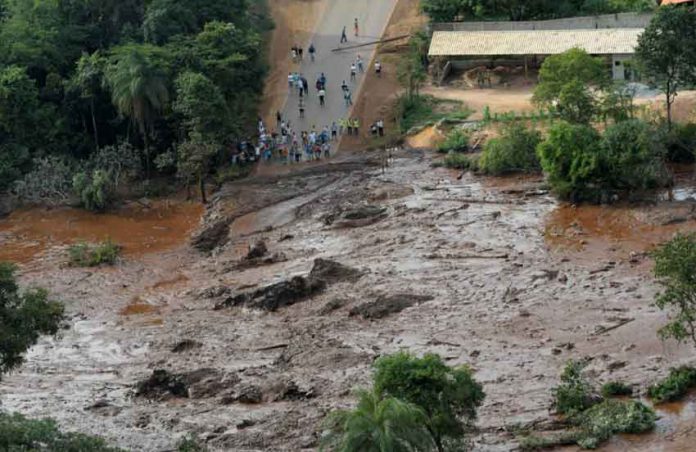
468 49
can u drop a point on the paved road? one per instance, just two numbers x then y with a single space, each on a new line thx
373 16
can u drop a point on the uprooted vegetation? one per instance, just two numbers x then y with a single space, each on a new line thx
590 419
674 386
92 255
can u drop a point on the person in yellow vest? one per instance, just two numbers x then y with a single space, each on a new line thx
356 126
342 126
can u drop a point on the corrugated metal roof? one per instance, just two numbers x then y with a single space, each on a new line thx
537 42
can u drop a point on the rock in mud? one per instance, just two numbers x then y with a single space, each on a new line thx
297 289
357 217
257 251
199 384
388 305
248 394
211 236
186 345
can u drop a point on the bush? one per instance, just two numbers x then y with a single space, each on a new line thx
457 141
449 396
191 443
18 433
681 143
600 422
582 166
513 151
94 190
675 386
50 181
85 255
461 162
575 394
616 388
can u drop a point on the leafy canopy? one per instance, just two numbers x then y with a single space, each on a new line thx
573 66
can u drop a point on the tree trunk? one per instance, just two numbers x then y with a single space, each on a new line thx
94 125
201 184
146 140
669 111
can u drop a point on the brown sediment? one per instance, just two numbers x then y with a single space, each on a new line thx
138 307
138 229
167 283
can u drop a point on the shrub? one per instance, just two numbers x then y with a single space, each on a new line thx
18 433
570 156
675 386
616 388
456 141
681 143
513 151
449 396
536 442
461 161
94 190
191 443
50 181
85 255
575 394
575 103
600 422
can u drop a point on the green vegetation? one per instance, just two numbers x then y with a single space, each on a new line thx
575 394
675 268
456 160
377 424
610 417
674 386
681 143
24 316
191 443
451 10
18 433
86 255
582 165
417 111
448 396
79 77
513 151
616 388
662 55
456 141
417 404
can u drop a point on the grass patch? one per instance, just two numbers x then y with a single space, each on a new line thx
616 388
416 111
457 141
674 386
456 160
91 255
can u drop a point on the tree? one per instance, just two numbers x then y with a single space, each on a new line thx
202 105
573 66
89 79
448 396
447 10
575 103
193 161
24 316
665 54
138 88
377 424
513 151
570 157
675 268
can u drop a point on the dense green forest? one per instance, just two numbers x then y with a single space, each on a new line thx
88 86
450 10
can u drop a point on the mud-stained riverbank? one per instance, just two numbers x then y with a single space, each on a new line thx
473 269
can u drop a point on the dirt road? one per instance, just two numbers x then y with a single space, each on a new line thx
372 18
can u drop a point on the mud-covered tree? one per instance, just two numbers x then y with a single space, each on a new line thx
449 396
675 268
24 316
665 52
377 424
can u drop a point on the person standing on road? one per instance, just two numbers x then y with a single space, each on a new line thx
356 126
305 85
361 65
301 108
344 37
291 81
322 94
378 68
355 26
334 131
299 52
344 86
312 50
279 119
353 71
380 127
348 98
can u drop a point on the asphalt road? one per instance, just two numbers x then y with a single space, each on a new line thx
373 16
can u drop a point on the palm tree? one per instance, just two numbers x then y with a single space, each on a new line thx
138 90
88 79
377 425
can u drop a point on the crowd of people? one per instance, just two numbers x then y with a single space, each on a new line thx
298 142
